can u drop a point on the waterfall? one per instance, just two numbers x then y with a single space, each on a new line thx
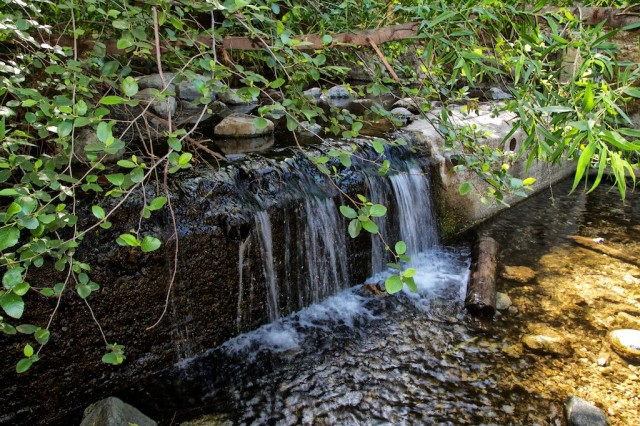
264 230
304 246
412 195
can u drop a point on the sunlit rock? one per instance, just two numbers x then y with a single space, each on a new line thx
550 343
521 274
625 320
580 412
626 342
242 126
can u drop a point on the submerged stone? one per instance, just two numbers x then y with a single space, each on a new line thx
626 342
503 301
580 412
113 412
549 343
521 274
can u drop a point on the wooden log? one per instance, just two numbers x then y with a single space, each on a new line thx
314 41
481 288
602 248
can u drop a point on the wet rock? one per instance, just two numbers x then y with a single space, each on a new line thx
580 412
550 343
409 104
402 113
113 412
234 146
513 310
339 92
503 301
308 129
242 126
521 274
314 92
161 107
86 142
625 320
498 94
626 342
209 420
153 81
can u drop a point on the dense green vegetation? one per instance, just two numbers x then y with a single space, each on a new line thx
70 65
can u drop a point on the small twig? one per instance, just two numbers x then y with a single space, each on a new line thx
383 59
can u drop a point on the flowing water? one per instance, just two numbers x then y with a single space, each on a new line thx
416 358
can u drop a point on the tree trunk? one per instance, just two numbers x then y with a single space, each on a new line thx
481 289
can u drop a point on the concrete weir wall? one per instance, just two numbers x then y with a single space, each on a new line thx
458 213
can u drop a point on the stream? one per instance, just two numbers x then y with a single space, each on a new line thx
359 358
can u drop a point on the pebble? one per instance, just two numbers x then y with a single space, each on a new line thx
580 412
503 301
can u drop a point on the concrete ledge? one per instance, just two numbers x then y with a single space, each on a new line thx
459 213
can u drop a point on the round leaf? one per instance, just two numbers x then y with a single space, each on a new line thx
465 188
150 244
9 237
42 336
28 350
393 284
377 210
348 212
370 226
129 86
12 304
401 248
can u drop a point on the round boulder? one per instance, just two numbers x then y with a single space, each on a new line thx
626 342
242 126
580 412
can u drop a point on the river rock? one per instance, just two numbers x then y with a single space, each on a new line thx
153 81
503 301
314 93
625 320
580 412
161 107
498 94
242 126
409 104
521 274
626 342
339 92
549 342
85 141
113 412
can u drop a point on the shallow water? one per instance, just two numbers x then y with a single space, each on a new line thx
418 358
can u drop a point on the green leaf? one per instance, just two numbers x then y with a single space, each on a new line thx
378 146
409 272
12 277
22 288
528 181
150 243
12 304
9 237
465 188
23 365
111 100
116 179
345 159
370 226
261 123
98 212
584 163
377 210
174 143
632 91
103 132
277 83
393 284
354 228
401 248
127 240
113 358
348 212
28 350
185 157
129 86
26 328
83 290
411 284
157 203
42 336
